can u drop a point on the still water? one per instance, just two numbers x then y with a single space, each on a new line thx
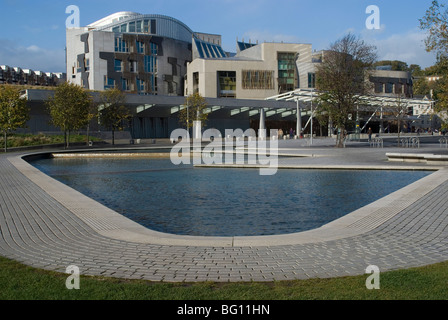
185 200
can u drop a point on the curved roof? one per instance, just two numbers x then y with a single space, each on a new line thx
165 26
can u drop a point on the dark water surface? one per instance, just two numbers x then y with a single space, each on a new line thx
223 202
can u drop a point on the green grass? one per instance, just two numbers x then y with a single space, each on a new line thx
24 140
20 282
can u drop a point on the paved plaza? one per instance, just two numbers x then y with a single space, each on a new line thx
48 225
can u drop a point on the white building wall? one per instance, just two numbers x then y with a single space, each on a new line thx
74 47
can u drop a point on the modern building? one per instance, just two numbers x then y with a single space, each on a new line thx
255 72
142 54
19 76
392 83
158 60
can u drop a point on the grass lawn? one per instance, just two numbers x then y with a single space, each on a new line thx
20 282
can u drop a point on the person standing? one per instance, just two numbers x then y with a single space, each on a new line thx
369 132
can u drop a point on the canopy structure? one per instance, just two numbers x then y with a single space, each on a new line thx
383 107
367 102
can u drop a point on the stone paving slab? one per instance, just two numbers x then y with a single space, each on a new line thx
48 225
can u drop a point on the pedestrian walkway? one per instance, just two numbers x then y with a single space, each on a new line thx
47 225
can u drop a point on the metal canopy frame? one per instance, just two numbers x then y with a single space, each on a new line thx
367 102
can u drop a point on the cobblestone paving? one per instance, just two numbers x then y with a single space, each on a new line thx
38 231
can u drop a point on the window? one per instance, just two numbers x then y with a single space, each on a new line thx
132 26
389 87
286 71
150 64
379 87
124 28
227 84
109 83
87 64
146 26
154 49
121 45
141 85
138 26
398 88
125 84
258 79
195 82
311 80
118 66
153 26
140 47
133 66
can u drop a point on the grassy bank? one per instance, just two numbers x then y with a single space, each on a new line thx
25 140
19 282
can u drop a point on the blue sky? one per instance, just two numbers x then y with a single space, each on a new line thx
33 32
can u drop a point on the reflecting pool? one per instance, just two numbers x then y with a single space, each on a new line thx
185 200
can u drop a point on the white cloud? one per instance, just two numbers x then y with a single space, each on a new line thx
408 47
31 57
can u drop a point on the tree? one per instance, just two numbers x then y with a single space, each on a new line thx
113 113
195 110
399 110
341 78
435 22
69 108
14 112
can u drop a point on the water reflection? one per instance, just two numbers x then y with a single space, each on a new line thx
223 202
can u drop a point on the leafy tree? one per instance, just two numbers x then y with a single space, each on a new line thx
14 112
195 110
341 79
113 113
435 22
69 108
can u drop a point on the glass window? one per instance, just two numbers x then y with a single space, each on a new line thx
379 87
132 26
138 26
154 49
199 46
118 66
140 85
286 71
124 28
125 84
153 26
116 29
140 47
133 66
146 26
109 83
121 45
389 87
311 80
227 84
150 64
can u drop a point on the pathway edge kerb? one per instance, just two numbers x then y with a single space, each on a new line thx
111 224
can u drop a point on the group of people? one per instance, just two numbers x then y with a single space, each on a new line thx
281 133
